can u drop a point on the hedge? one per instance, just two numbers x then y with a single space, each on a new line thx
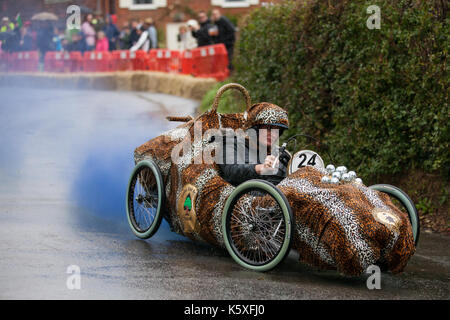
376 98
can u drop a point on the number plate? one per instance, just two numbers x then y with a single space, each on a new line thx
305 158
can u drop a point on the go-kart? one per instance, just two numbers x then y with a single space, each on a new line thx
324 213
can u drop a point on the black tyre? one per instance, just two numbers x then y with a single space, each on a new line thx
145 199
257 225
407 204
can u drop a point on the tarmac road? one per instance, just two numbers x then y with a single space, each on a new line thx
65 157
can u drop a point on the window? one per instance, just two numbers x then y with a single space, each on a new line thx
142 4
234 3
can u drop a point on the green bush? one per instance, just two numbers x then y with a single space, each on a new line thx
377 98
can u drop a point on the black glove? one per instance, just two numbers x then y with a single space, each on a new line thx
284 157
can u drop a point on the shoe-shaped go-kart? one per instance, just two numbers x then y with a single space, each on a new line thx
327 215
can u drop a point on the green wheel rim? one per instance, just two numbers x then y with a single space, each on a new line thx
401 196
287 215
129 201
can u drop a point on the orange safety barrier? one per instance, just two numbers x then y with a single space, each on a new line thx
25 61
210 62
140 60
165 60
202 65
174 64
97 61
121 60
76 61
54 61
4 61
187 62
219 61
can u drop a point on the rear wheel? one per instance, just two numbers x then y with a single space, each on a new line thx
257 225
145 197
400 197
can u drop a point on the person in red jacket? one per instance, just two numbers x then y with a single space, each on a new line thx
102 42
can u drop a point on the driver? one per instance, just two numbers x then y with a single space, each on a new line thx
254 156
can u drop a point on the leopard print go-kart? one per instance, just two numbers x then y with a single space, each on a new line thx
341 225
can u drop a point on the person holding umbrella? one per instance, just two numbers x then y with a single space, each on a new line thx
44 38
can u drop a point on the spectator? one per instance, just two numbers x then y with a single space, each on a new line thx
32 31
26 39
102 42
134 36
152 33
77 44
124 37
45 39
57 39
7 35
6 25
200 32
185 39
97 22
111 32
143 42
226 34
88 32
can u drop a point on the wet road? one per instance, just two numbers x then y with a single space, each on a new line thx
65 157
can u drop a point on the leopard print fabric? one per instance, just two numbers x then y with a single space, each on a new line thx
266 113
335 226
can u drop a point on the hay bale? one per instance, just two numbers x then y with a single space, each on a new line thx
123 81
179 85
139 81
104 81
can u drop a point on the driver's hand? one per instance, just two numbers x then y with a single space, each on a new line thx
266 167
269 161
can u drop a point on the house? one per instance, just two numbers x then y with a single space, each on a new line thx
168 14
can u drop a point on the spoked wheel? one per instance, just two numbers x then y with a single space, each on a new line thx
406 204
257 225
145 197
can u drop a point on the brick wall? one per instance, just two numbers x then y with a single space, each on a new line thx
173 11
27 8
177 10
181 9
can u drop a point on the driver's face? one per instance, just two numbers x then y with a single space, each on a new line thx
268 135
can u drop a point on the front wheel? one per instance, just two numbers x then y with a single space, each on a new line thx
257 225
407 204
145 198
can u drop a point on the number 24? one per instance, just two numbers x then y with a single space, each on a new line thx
303 157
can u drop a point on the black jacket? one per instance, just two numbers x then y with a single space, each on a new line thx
236 172
226 32
202 35
133 38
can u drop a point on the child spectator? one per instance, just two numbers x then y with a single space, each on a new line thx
124 37
102 42
185 39
77 43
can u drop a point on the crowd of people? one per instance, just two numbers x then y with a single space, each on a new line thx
101 34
